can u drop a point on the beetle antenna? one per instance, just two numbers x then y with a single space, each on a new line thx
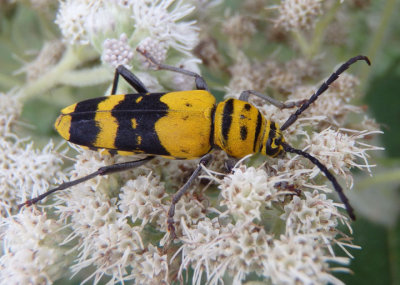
328 175
323 88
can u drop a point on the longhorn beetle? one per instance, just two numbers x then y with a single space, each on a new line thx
180 125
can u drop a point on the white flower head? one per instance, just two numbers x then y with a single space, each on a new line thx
300 259
214 250
298 14
112 249
24 178
332 108
312 215
238 28
71 19
161 20
31 249
10 109
151 267
340 151
117 52
247 191
156 47
84 22
142 199
246 75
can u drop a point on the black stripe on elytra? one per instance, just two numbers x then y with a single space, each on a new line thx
146 112
227 118
243 133
212 114
84 130
269 150
258 129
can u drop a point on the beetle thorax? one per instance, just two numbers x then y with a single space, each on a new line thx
238 128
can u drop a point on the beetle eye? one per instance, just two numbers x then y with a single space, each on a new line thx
278 141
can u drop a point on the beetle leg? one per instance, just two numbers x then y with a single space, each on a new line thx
244 96
200 82
130 78
108 169
178 195
230 164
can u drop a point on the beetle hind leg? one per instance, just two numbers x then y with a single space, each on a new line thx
105 170
178 195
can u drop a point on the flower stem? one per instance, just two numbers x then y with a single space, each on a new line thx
320 29
71 59
377 39
86 77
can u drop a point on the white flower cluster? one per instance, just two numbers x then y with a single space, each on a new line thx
115 247
340 151
31 249
241 245
10 108
142 199
117 51
153 24
303 260
160 20
230 252
24 171
248 191
298 14
314 214
239 29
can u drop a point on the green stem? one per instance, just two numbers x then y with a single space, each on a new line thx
311 49
302 42
86 77
320 29
377 39
71 59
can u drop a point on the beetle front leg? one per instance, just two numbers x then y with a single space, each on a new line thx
200 82
130 78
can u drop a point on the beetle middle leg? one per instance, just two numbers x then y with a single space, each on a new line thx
244 96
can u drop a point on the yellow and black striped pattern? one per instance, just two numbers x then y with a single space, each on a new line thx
240 129
176 124
181 125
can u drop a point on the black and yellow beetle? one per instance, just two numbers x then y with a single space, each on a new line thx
180 125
